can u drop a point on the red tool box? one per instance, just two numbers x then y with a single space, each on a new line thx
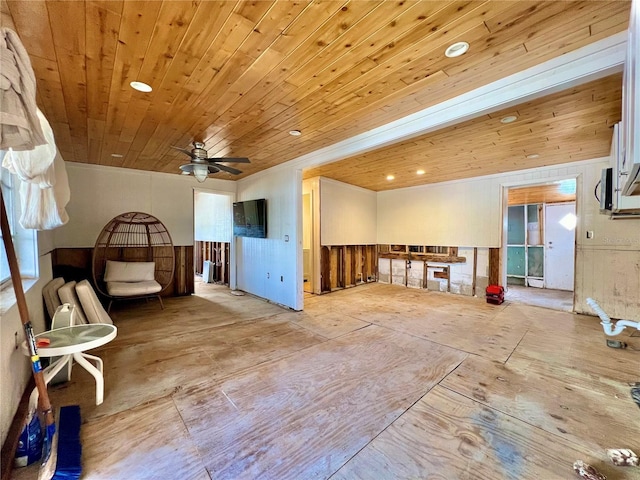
495 294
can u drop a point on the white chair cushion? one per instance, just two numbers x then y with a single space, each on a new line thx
132 289
129 271
67 294
50 294
92 307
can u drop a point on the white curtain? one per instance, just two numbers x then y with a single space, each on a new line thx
44 189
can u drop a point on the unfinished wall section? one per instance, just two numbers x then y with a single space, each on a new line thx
458 278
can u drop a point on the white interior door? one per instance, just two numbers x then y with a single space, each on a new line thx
560 239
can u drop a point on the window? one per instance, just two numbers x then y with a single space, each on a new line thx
24 241
7 196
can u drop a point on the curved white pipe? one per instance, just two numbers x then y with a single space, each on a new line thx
611 329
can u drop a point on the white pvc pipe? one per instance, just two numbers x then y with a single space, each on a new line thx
611 329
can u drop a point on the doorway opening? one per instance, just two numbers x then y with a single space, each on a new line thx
212 249
539 266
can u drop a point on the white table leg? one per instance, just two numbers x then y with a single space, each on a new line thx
54 368
97 373
98 361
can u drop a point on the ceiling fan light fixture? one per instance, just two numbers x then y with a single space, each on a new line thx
141 87
457 49
201 172
295 133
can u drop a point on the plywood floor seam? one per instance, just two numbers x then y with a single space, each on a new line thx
374 382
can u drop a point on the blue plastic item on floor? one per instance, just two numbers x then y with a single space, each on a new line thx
69 462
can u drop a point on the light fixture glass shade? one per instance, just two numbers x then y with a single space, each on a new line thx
200 172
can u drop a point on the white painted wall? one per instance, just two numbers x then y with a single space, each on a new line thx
213 216
99 193
15 368
464 212
469 212
271 267
348 214
311 186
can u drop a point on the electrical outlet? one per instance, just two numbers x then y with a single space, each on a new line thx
16 340
281 278
589 233
268 276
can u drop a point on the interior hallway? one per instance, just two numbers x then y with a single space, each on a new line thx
377 381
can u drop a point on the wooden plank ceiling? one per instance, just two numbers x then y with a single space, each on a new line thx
568 126
240 75
556 192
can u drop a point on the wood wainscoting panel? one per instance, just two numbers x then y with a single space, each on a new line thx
76 264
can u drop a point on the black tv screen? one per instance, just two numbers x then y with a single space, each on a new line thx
250 218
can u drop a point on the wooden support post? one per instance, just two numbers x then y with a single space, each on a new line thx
494 266
424 274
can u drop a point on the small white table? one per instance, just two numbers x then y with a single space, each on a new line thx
69 343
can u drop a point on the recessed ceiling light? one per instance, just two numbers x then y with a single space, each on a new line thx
295 133
390 177
508 119
117 155
420 172
457 49
533 155
141 87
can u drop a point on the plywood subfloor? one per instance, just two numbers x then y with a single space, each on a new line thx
375 382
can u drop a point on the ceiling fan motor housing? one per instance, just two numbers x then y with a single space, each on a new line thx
199 151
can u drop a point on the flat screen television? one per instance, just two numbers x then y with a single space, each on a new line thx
250 218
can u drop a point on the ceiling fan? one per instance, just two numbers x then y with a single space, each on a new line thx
201 166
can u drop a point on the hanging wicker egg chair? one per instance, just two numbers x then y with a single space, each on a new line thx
134 237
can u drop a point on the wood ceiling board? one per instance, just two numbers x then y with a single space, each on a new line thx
240 75
486 145
551 193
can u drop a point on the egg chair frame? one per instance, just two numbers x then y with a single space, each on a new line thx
134 237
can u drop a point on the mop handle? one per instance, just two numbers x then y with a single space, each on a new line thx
43 400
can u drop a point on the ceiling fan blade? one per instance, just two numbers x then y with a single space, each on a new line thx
224 168
213 168
229 160
185 151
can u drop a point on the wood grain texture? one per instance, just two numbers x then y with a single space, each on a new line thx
222 386
320 413
540 194
489 331
239 75
154 431
563 127
447 435
560 403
